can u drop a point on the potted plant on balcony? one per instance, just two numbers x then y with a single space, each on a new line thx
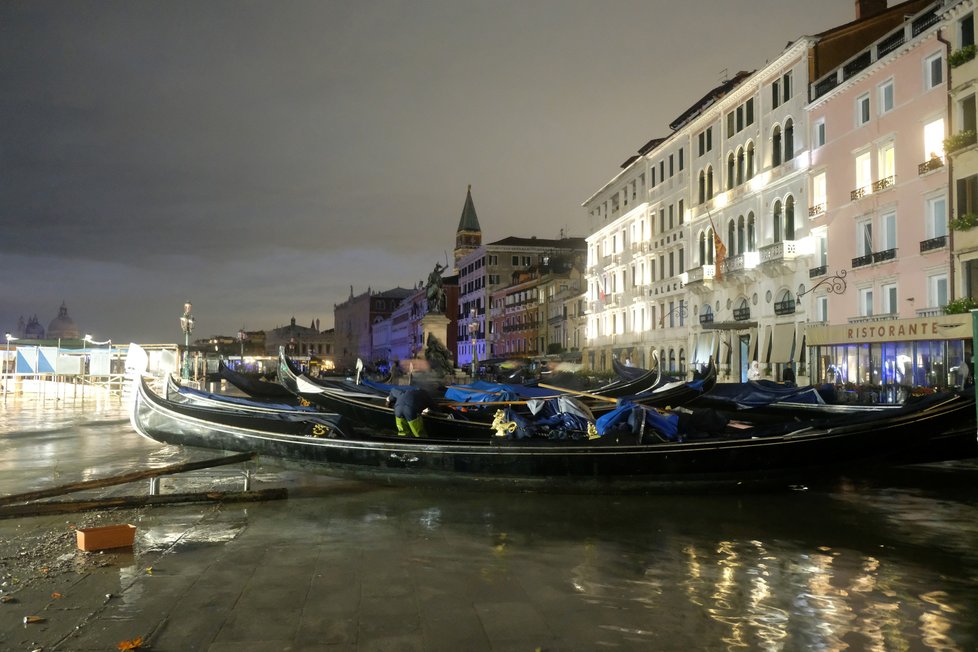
964 222
957 141
960 306
963 55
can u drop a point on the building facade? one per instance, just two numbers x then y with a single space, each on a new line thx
353 322
701 246
490 268
879 214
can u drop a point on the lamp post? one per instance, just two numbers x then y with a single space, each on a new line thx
241 338
473 331
187 325
10 338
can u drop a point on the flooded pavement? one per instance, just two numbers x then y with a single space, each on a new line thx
882 562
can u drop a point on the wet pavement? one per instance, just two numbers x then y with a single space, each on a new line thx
869 564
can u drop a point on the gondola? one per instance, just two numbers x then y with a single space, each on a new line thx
788 453
181 394
254 387
368 405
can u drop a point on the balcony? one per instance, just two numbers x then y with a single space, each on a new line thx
786 307
862 261
700 274
884 183
741 314
858 193
885 255
779 251
939 242
818 271
935 163
733 264
706 318
816 210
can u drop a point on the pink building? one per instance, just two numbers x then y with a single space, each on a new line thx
879 213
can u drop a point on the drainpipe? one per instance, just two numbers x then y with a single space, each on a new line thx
950 171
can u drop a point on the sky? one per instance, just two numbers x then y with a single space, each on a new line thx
260 158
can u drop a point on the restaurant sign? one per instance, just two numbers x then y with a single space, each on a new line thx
940 327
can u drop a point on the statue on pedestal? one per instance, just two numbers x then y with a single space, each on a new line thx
434 292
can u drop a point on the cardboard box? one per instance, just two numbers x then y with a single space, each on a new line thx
106 538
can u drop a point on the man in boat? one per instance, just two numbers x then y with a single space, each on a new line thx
409 405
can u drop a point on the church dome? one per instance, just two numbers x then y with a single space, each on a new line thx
33 330
63 326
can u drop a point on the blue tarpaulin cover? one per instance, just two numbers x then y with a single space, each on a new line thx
482 391
625 414
758 393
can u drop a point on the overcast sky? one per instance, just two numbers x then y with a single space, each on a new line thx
259 158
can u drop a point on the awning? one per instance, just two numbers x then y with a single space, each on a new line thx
729 325
704 348
800 350
764 346
783 343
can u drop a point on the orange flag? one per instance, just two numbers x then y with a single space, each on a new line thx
720 250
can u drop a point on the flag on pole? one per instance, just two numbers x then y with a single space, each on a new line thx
720 250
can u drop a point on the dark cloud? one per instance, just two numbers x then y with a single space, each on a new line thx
261 157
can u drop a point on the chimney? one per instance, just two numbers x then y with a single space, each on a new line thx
869 8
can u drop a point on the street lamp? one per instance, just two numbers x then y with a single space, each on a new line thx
473 331
187 325
88 338
10 338
241 338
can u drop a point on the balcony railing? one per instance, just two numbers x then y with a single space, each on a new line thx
884 183
818 271
784 250
815 210
733 264
786 307
702 273
881 256
858 193
706 318
934 163
741 314
934 243
862 261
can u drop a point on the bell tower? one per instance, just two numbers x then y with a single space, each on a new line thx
468 237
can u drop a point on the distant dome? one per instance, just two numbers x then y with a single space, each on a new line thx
63 326
33 330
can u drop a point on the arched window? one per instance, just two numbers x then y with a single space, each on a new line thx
702 248
730 171
750 160
751 232
740 165
682 360
789 218
709 182
672 359
740 235
776 220
776 146
709 246
731 239
789 139
702 194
